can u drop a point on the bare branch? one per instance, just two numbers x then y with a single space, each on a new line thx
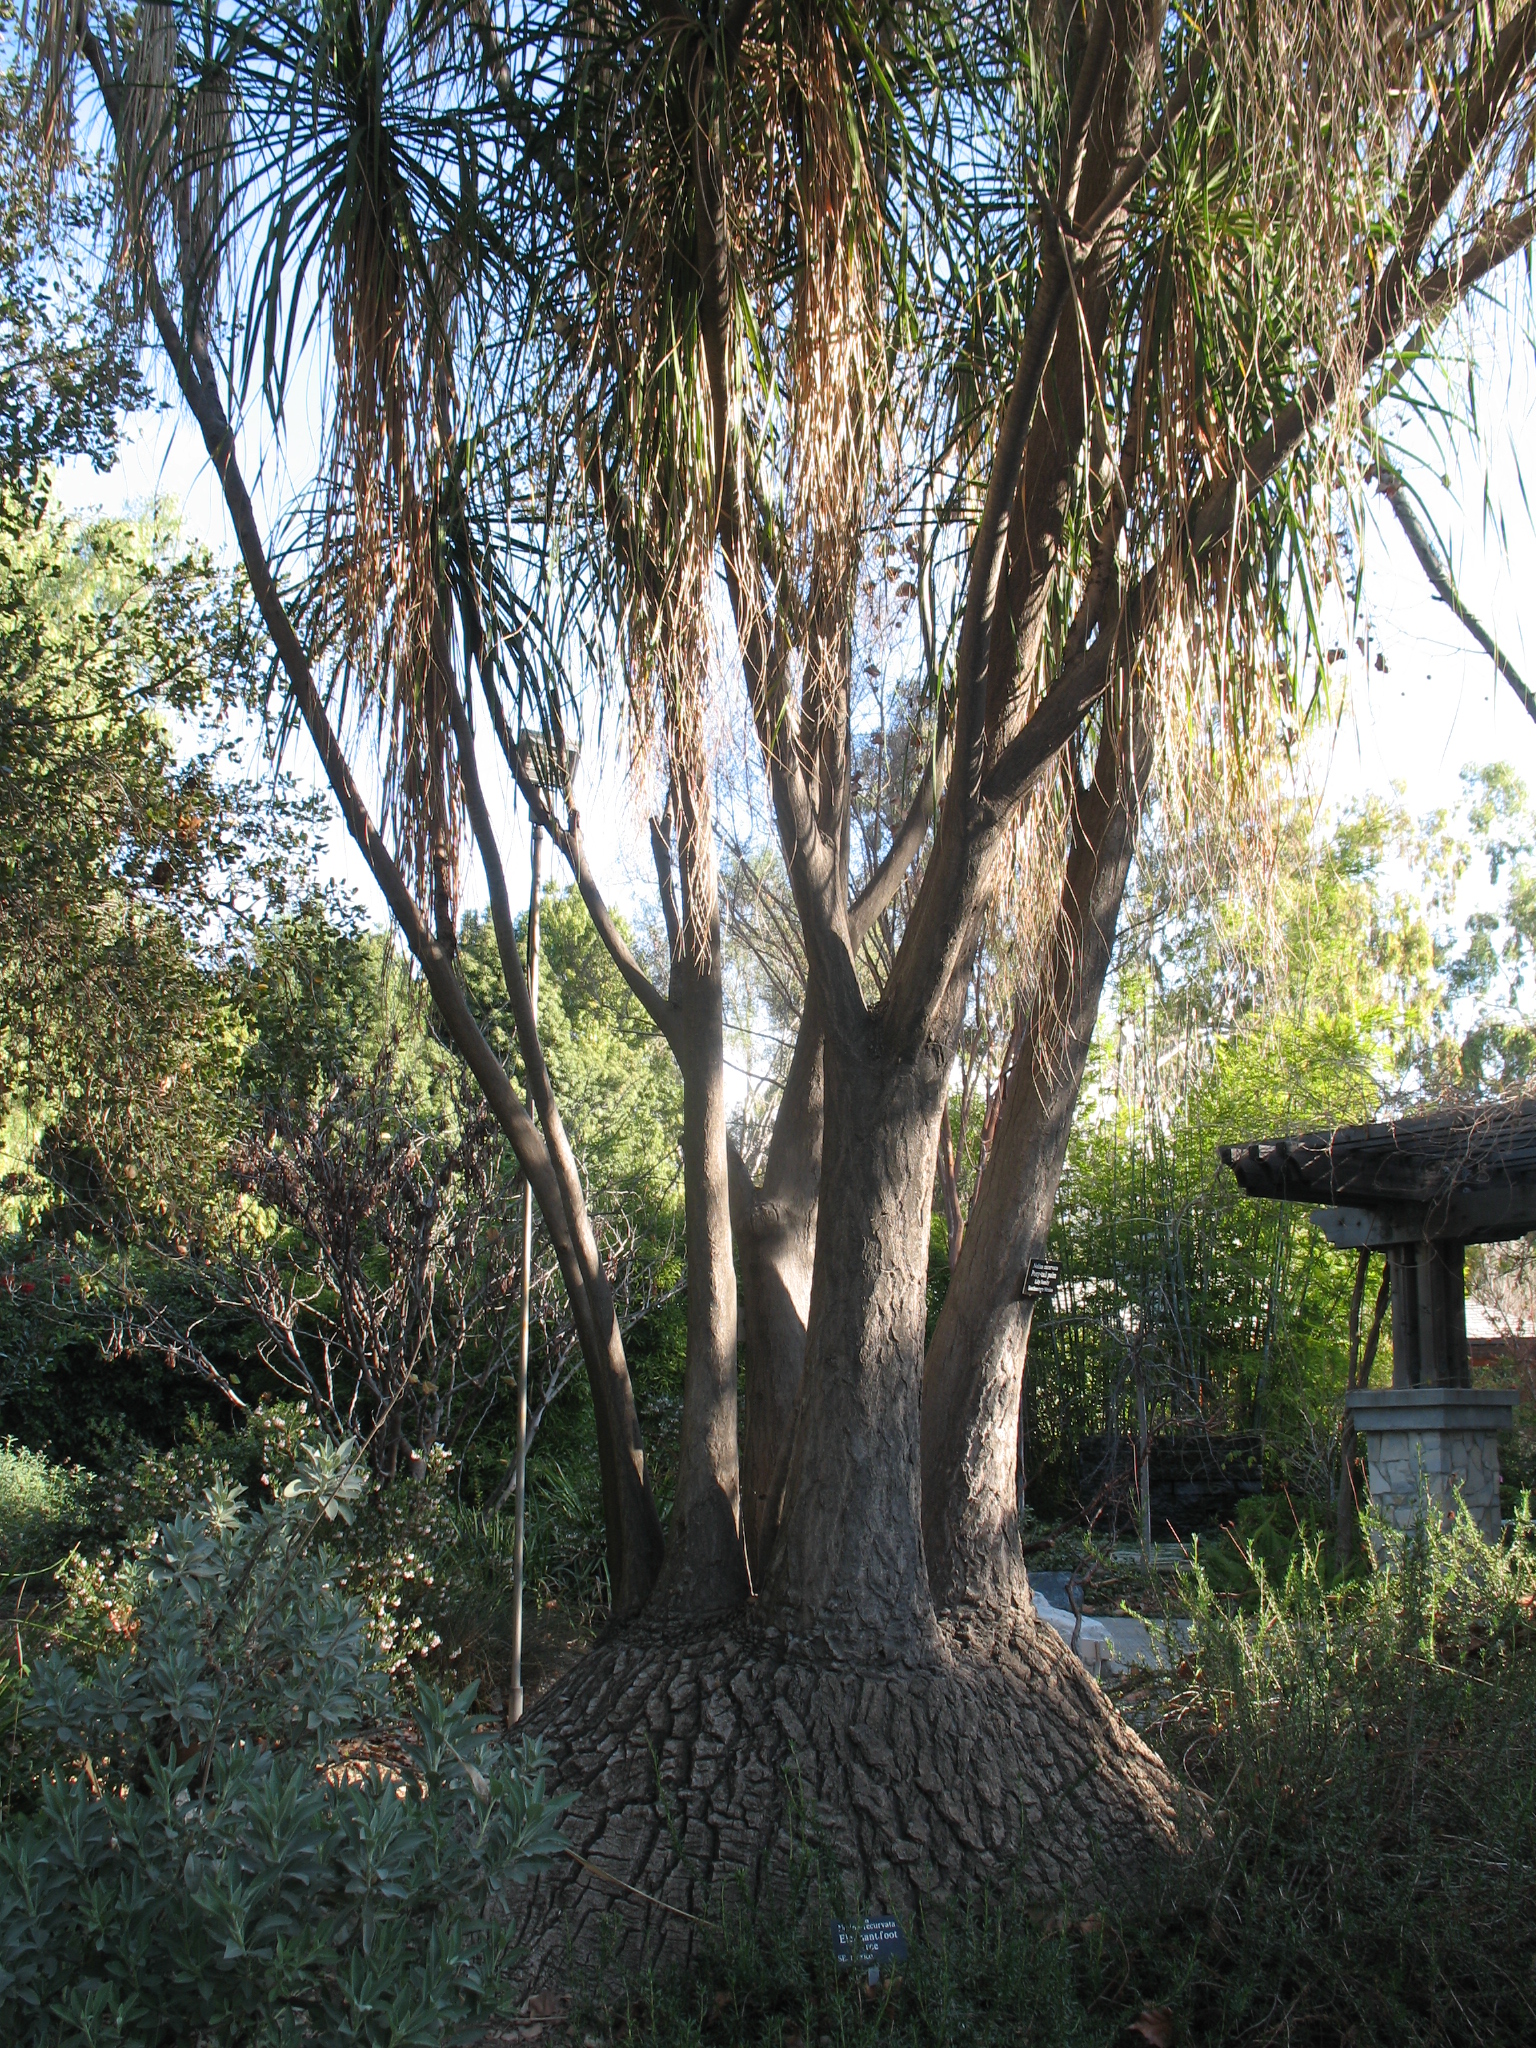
661 857
569 840
540 150
1395 490
879 892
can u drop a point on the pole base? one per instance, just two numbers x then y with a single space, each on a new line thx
514 1705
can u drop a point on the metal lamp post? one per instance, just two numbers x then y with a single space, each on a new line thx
550 768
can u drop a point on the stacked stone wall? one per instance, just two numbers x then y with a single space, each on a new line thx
1451 1461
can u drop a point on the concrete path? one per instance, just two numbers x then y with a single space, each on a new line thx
1108 1643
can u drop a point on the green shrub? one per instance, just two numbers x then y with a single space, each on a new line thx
42 1508
1269 1532
1364 1748
431 1575
200 1858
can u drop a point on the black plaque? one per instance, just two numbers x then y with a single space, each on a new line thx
869 1943
1042 1278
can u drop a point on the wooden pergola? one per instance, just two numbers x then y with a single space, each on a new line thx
1420 1190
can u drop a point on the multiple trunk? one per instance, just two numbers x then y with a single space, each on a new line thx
705 1570
851 1462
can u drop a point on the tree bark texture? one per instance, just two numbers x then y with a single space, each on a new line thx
775 1231
848 1557
708 1760
706 1567
973 1377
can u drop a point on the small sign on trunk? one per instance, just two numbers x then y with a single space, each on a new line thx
1042 1278
869 1943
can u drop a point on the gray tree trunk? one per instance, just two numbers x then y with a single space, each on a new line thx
973 1378
849 1552
706 1569
775 1228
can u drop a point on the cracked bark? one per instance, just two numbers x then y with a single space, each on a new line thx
710 1761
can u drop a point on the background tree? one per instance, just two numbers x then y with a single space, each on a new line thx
68 355
1340 980
127 863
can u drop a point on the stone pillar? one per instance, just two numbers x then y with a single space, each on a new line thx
1448 1436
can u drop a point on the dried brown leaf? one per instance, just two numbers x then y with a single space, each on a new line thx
1155 2024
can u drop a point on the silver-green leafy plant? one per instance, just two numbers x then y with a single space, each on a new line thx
203 1860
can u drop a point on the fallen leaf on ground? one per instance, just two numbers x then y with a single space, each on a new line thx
1155 2025
537 2014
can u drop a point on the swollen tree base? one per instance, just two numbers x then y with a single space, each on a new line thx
706 1761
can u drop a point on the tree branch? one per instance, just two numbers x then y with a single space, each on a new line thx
1123 190
634 1533
569 840
1394 488
1464 129
207 409
661 859
813 866
540 150
941 928
990 546
1076 688
540 1087
879 892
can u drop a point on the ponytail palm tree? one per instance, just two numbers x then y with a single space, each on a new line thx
649 334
